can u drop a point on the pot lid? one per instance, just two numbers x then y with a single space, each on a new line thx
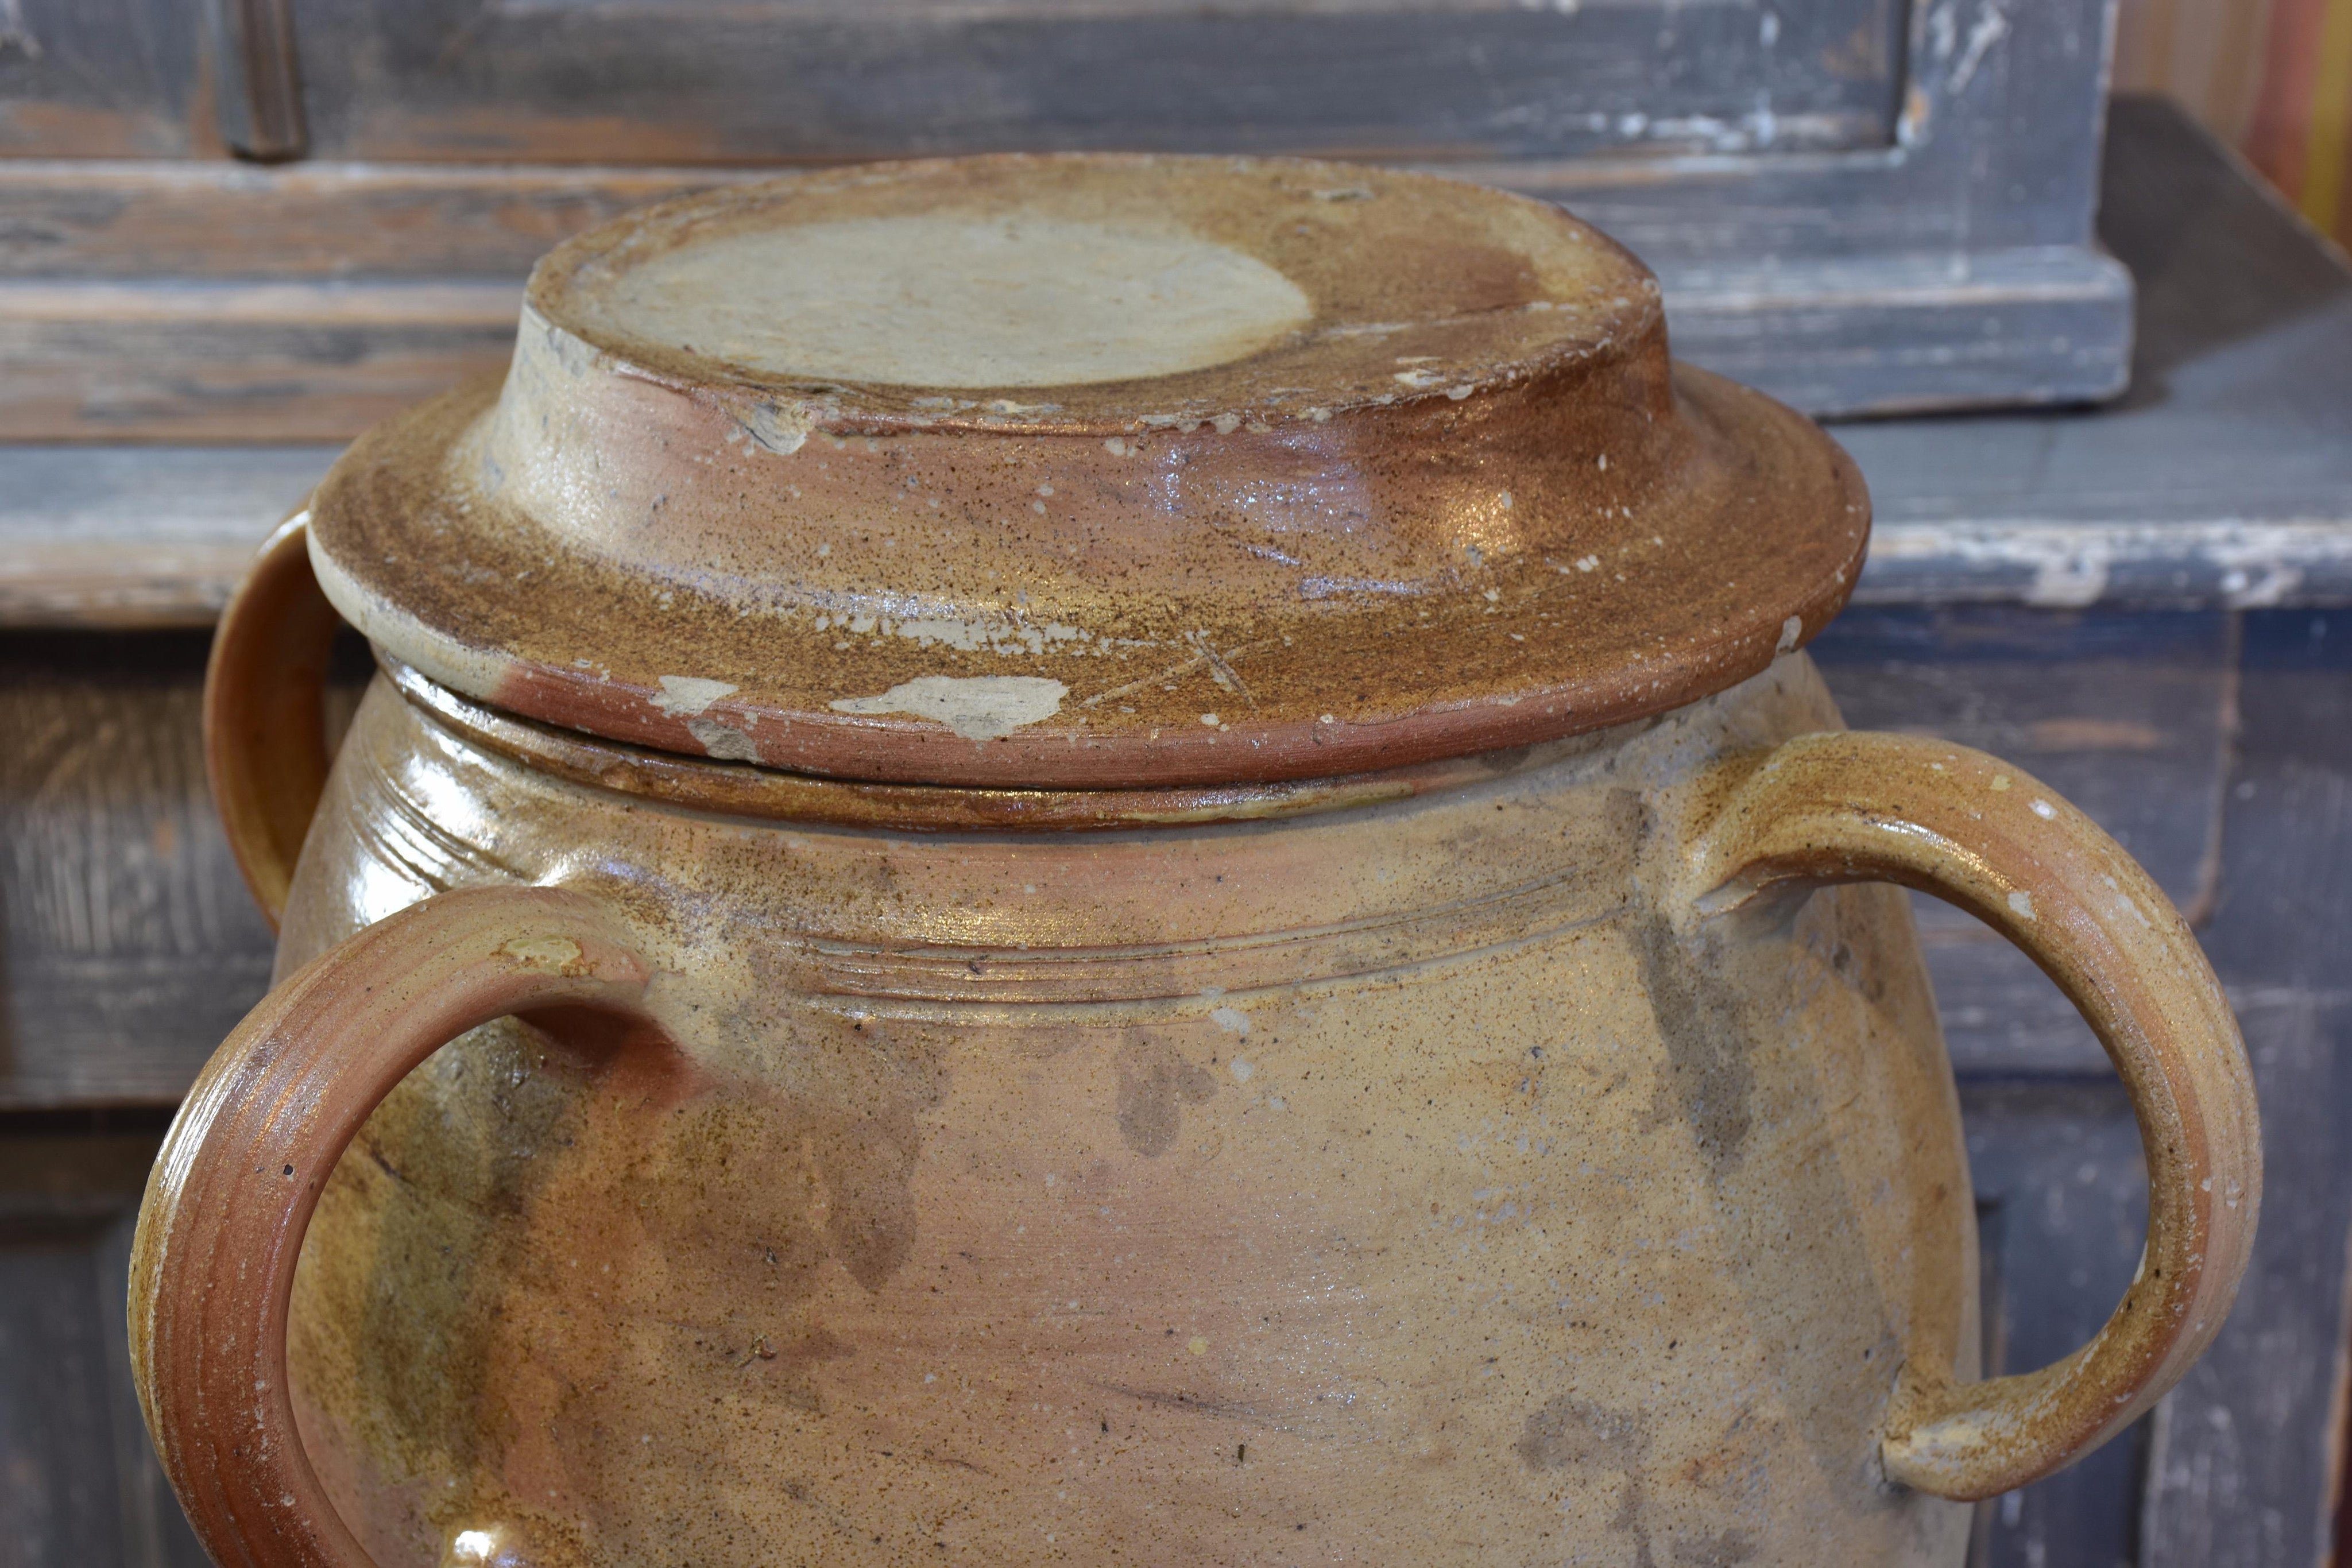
1091 471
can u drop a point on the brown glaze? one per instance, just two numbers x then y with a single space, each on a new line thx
265 723
212 1265
739 788
1375 469
1444 1107
1488 1175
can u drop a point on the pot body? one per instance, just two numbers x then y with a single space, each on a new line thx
1384 1185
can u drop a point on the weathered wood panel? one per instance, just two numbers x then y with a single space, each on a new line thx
2130 716
79 1483
2061 1206
1859 205
130 946
2239 420
238 362
727 80
2245 1465
103 78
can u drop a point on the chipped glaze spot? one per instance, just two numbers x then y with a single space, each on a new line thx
552 953
977 707
682 697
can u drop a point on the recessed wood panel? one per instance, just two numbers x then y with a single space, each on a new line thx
719 80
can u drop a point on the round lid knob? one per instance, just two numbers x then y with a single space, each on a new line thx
1091 471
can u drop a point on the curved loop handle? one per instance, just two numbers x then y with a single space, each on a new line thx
1972 830
265 723
212 1269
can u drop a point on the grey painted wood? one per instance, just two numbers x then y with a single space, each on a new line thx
1859 205
2241 1472
2061 1206
79 1483
2225 476
721 80
103 78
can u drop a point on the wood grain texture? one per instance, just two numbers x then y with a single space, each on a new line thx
119 79
2224 477
2241 1472
2061 1206
792 80
131 947
79 1480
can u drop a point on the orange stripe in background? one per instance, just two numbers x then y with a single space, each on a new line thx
2328 138
2279 139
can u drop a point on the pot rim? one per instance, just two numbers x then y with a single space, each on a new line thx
765 793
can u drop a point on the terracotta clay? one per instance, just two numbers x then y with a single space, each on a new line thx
1458 500
1527 1153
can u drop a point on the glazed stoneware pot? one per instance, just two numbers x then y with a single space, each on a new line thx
1097 859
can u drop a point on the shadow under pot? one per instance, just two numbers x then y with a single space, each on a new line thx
1103 858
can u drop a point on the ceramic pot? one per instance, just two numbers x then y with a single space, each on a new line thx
1298 971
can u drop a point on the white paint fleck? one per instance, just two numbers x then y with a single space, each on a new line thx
2044 809
1790 629
1210 719
2021 903
977 707
1233 1020
1588 563
1991 28
682 697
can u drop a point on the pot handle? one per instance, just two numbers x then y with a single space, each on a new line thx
212 1270
265 721
1989 838
1985 836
